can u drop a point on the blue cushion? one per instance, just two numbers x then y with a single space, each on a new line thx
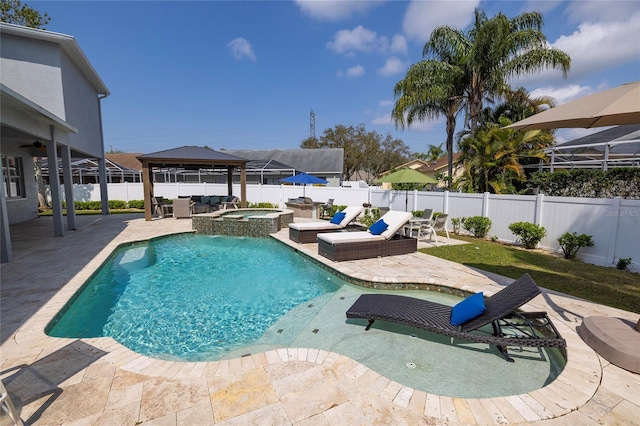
204 199
470 308
338 217
378 228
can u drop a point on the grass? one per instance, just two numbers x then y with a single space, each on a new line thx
606 286
92 212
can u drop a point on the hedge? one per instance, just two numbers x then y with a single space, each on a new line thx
591 183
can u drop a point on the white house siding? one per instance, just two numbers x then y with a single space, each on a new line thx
81 109
32 68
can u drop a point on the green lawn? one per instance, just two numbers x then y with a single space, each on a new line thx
607 286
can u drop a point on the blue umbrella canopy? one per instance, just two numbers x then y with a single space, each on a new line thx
304 179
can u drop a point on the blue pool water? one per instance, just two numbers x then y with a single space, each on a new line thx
192 297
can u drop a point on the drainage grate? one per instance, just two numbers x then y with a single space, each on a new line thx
315 330
280 331
411 365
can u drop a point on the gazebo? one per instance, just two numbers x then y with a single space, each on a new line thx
191 157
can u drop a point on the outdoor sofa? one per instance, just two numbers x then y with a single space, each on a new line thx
340 246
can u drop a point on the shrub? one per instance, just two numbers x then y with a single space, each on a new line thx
455 222
530 234
117 204
262 205
369 217
479 226
623 263
571 243
136 204
88 205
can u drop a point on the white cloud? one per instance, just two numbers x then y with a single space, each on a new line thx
352 72
385 103
600 11
334 10
422 17
241 48
563 94
423 126
392 66
398 44
359 39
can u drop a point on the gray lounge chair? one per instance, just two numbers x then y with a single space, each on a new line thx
523 328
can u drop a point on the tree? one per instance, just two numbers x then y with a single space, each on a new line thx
492 160
14 12
366 151
432 88
495 50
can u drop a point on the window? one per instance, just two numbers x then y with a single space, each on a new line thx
12 172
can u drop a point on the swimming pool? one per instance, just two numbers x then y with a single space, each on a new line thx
192 297
188 320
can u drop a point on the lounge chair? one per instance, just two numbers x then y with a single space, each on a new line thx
500 312
339 246
306 232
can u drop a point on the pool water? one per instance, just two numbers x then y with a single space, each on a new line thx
193 297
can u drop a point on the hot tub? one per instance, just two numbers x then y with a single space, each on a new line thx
257 223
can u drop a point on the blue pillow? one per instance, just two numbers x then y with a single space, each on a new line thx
337 218
378 228
470 308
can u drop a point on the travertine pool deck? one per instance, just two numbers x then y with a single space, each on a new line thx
99 382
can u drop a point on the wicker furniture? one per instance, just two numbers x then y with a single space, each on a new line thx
510 328
307 232
182 207
339 246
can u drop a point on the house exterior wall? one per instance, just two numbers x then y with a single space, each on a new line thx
21 209
33 69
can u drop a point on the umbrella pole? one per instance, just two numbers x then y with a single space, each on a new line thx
406 200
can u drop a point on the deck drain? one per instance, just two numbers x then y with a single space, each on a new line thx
315 330
411 365
242 356
342 298
310 306
280 331
413 336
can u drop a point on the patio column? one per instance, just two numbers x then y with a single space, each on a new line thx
6 254
102 167
65 154
54 185
243 186
229 180
147 187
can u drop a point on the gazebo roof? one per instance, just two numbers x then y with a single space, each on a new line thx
191 156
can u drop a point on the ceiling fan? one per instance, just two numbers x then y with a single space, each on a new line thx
37 145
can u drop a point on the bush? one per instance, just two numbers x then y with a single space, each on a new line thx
136 204
623 263
88 205
262 205
530 234
479 226
455 222
117 204
571 243
369 217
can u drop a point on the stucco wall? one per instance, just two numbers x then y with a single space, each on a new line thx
32 68
21 209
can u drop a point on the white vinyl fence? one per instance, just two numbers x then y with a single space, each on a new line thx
614 223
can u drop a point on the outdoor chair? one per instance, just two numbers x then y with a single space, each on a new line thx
325 209
307 232
509 327
381 239
417 222
161 207
439 224
182 207
230 201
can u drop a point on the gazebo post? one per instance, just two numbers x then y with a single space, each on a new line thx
243 186
147 185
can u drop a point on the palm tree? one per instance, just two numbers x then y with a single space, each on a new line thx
431 88
492 160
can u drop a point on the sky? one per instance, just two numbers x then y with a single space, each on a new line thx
247 74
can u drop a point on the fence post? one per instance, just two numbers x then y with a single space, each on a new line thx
615 211
445 202
537 214
485 204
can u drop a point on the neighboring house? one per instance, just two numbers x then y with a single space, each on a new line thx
50 98
323 163
431 168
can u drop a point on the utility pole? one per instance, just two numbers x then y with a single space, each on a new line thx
312 124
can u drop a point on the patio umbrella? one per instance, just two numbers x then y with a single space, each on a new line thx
406 176
620 105
304 179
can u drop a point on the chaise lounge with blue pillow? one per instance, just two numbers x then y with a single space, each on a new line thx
381 239
306 232
464 320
